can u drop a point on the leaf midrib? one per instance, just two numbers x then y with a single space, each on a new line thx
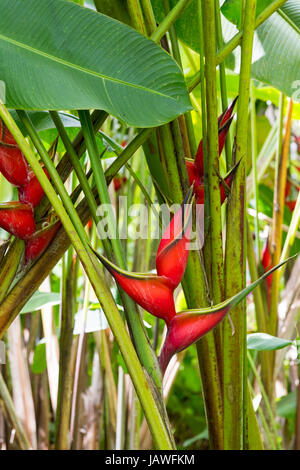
82 69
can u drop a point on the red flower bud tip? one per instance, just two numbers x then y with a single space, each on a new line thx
39 241
119 182
124 143
224 122
155 292
17 219
199 182
288 187
12 162
227 113
188 327
291 205
32 192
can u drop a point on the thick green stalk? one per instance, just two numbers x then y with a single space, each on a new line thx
153 416
259 311
223 86
64 396
254 165
235 384
169 20
236 41
215 227
10 265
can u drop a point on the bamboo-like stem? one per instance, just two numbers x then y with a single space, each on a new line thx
64 396
215 227
259 311
254 165
223 86
236 40
10 265
21 435
278 210
136 15
235 384
169 20
154 418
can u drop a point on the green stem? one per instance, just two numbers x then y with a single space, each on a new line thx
235 378
153 416
236 41
223 85
254 165
9 266
264 394
169 20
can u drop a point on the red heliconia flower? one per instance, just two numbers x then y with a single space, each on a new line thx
39 241
224 121
17 219
266 261
13 164
32 192
155 292
119 181
195 168
188 327
199 182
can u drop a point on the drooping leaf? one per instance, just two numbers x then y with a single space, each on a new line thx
85 60
276 58
287 405
40 300
266 342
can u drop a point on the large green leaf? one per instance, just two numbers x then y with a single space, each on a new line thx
276 46
58 55
265 342
276 43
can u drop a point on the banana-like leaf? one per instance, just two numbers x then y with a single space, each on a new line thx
58 55
276 57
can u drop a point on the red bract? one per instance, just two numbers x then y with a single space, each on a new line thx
32 192
188 327
195 167
199 182
224 121
119 182
17 219
155 292
13 164
39 241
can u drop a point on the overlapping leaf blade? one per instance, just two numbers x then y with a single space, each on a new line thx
58 55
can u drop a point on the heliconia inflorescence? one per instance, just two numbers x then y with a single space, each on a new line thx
154 292
39 241
17 218
195 168
13 164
